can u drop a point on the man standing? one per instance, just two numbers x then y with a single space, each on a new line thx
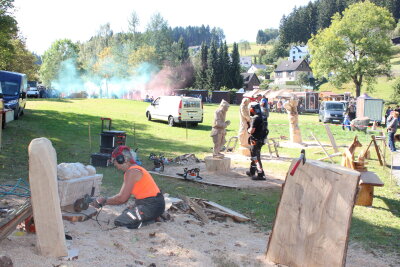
387 113
393 124
258 133
149 202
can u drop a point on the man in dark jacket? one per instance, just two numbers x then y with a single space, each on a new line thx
258 133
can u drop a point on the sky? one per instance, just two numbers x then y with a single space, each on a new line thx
42 22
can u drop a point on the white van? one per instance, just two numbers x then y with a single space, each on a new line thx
176 109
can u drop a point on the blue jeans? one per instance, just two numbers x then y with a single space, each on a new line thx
391 141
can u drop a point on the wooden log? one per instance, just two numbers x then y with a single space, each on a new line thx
312 223
45 200
365 195
217 164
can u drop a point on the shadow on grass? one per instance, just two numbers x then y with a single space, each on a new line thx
393 204
371 236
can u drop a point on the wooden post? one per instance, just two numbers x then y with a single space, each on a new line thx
186 132
134 134
45 200
90 139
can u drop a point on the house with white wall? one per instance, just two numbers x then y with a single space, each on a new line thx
298 52
289 70
245 62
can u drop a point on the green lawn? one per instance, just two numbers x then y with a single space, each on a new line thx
66 123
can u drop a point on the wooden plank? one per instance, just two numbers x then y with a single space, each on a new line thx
312 223
196 181
370 178
231 213
331 138
45 200
378 153
323 148
8 225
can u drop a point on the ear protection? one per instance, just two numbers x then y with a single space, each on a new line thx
118 156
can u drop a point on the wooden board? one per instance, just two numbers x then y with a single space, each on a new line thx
313 217
45 201
231 213
196 181
370 178
9 224
79 216
331 138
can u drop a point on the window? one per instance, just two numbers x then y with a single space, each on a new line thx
191 104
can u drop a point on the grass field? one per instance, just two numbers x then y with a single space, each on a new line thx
66 123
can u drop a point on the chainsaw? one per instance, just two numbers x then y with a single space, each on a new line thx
192 174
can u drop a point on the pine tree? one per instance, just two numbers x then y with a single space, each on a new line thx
225 64
201 73
237 79
212 66
183 53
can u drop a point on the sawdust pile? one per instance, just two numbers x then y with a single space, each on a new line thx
182 241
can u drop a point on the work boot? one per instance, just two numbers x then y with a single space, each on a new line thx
259 177
252 171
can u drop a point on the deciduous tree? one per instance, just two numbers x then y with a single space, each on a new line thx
356 47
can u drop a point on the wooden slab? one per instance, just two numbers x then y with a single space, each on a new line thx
45 201
79 216
313 217
231 213
370 178
9 224
196 181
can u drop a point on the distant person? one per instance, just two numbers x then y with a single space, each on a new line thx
346 121
352 111
393 124
387 113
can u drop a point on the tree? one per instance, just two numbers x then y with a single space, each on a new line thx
212 67
133 22
396 90
60 50
356 47
201 71
8 32
244 45
22 60
237 79
303 79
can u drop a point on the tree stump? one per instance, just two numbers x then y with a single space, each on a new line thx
217 164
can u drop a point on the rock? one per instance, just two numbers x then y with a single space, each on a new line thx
5 261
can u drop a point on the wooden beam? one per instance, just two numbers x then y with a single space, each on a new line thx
331 138
8 224
319 143
45 200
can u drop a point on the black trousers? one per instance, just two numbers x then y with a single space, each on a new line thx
255 152
143 211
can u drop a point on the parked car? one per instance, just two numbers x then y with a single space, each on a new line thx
331 111
176 110
14 86
33 92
